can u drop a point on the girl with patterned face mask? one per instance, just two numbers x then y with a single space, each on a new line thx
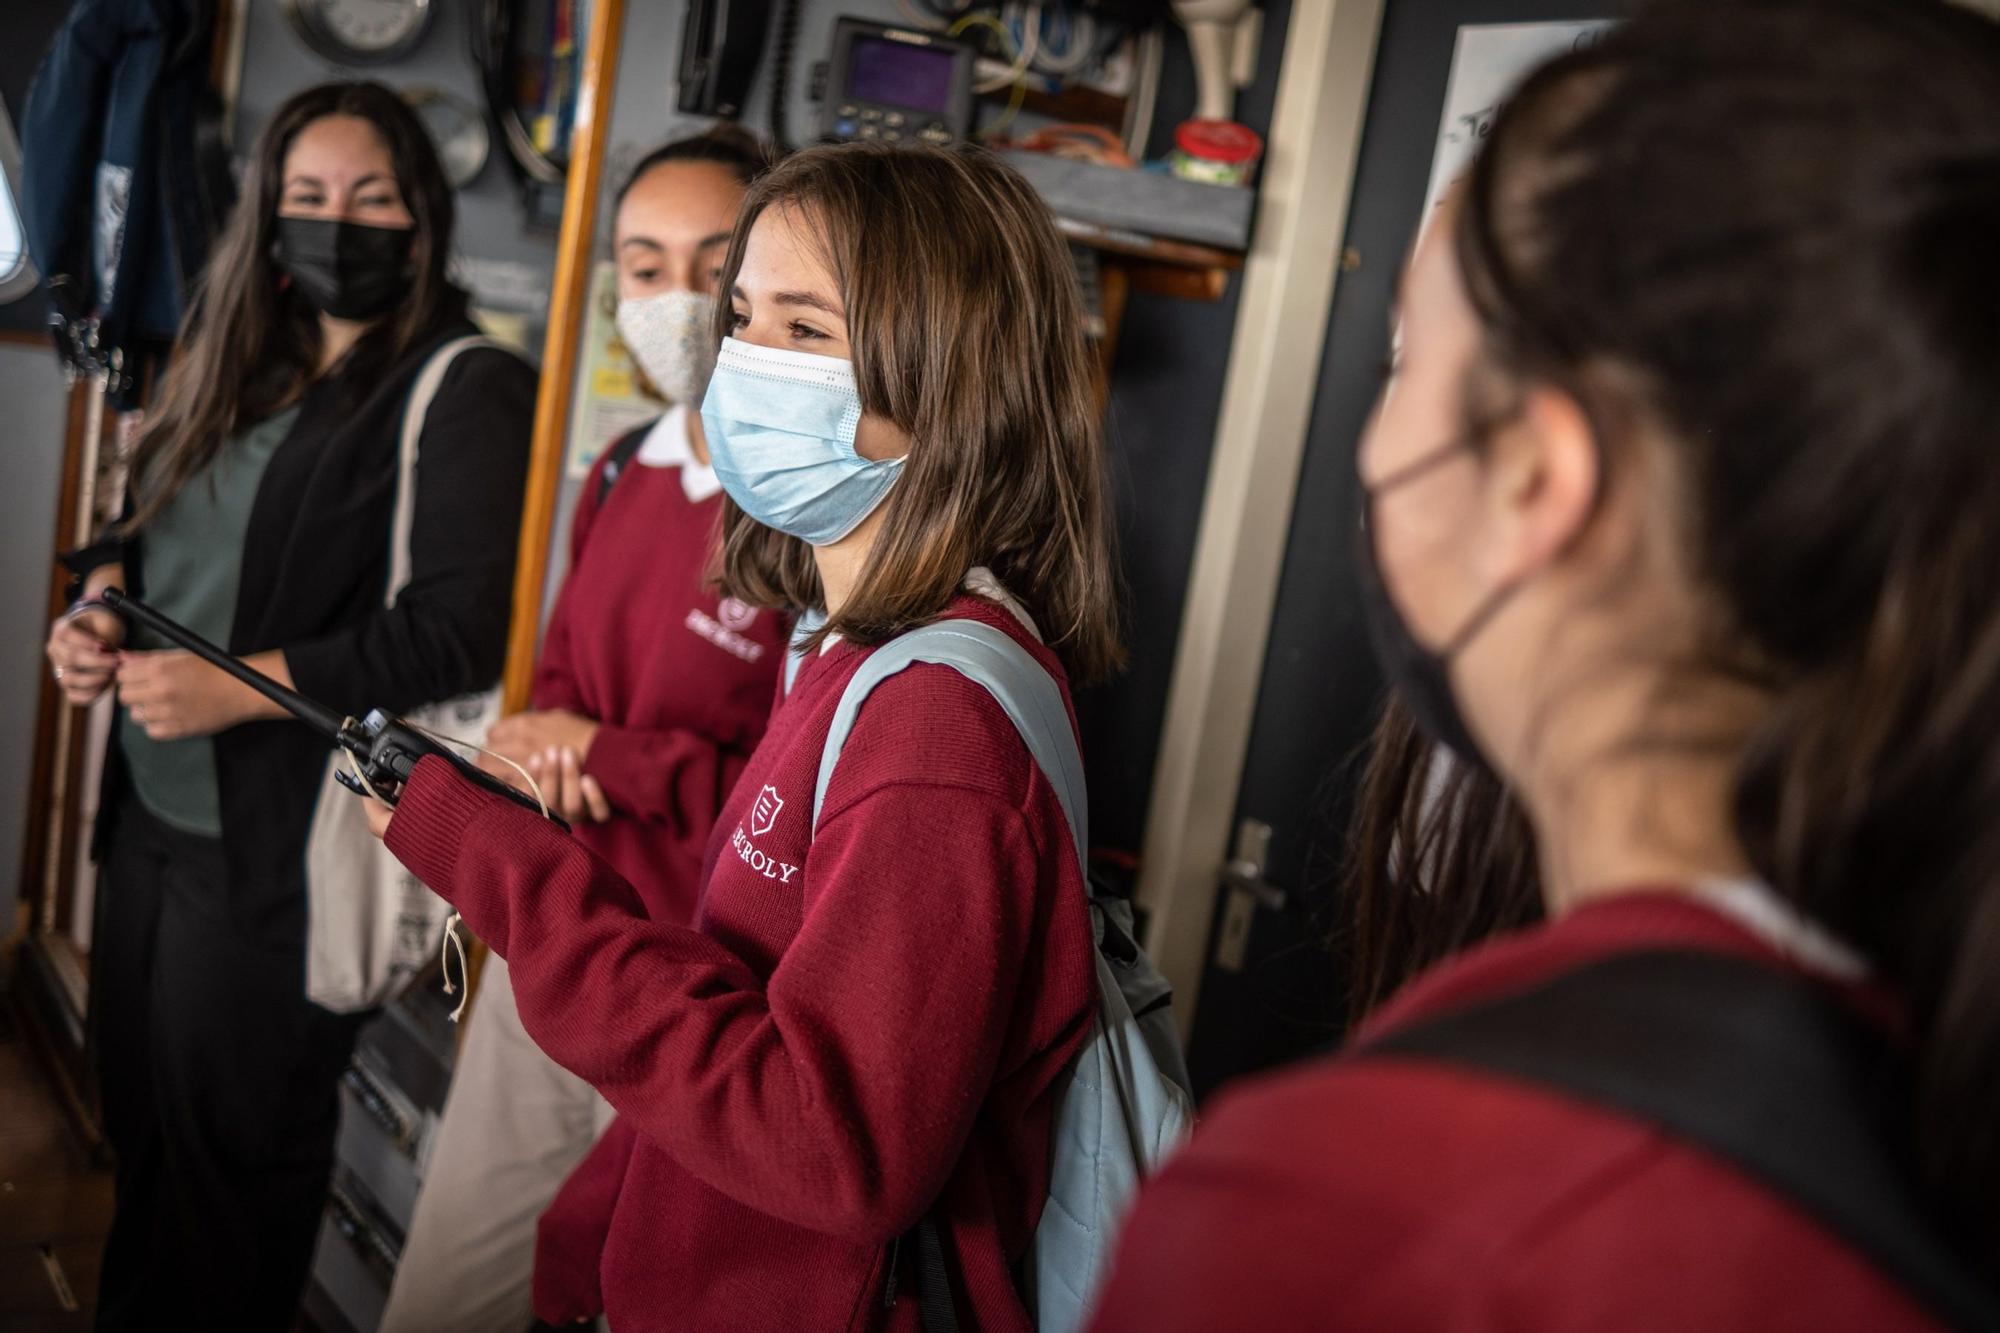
651 691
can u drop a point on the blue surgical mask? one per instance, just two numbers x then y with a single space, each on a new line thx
780 429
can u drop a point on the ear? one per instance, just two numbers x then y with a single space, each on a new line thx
879 439
1544 473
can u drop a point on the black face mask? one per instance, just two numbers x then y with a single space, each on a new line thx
1421 676
348 270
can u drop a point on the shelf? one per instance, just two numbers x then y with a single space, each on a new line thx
1150 214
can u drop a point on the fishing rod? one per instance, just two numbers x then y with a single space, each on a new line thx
385 749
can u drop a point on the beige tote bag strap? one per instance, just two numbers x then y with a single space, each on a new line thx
414 415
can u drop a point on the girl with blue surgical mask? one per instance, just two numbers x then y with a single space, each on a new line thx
651 691
870 1021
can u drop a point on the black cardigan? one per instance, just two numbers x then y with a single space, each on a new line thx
316 570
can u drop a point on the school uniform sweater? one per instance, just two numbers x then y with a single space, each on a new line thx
862 1026
1400 1194
678 677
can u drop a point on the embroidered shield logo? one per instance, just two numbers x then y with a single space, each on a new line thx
765 812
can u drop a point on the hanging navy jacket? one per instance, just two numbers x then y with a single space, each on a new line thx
119 197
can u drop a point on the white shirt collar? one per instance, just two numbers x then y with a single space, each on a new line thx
666 445
1757 908
982 583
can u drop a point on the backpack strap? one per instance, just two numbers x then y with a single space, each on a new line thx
1757 1067
935 1311
622 452
1019 684
1034 704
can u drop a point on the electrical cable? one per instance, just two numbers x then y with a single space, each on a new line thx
1080 52
1149 49
1014 101
1022 56
452 942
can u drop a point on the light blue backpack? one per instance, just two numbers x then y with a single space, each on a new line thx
1127 1104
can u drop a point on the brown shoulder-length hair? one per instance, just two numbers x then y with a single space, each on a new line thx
967 330
250 344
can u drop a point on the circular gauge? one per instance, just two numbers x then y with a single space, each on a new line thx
361 32
457 129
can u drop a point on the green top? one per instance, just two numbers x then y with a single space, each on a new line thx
194 561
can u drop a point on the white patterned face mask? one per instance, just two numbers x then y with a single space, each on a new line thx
672 337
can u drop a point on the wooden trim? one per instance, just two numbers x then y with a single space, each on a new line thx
569 297
1260 440
569 300
28 337
1182 284
65 782
222 43
71 835
1080 103
1117 241
1114 285
35 842
32 993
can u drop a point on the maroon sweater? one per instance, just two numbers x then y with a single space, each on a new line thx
680 681
860 1026
1404 1195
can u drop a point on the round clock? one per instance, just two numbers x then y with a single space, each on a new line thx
457 129
361 32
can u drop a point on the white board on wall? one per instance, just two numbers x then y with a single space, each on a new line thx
1488 62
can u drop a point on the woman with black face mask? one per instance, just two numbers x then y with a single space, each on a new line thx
261 514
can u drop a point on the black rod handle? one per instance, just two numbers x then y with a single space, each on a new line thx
385 748
315 715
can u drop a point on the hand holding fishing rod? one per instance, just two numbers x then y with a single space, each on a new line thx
385 749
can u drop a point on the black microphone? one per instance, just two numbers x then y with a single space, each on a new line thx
385 748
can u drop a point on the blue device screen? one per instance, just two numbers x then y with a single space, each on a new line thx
898 74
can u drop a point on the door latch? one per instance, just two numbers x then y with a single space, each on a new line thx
1245 890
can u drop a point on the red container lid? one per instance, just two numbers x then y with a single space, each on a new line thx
1219 141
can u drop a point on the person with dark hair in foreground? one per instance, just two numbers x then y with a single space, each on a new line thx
1683 536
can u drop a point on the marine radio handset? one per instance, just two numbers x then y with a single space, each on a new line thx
385 748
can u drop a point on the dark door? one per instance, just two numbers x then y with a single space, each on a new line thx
1320 688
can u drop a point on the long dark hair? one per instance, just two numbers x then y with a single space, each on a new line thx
250 345
1778 219
967 329
1440 857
